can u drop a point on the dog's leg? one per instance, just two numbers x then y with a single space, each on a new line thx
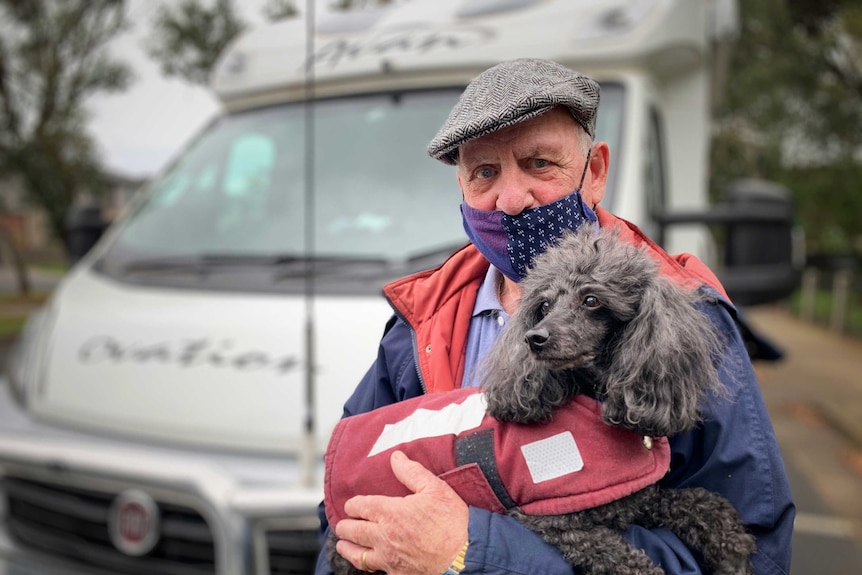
594 549
706 521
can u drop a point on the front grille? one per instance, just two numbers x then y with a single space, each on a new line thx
292 552
73 523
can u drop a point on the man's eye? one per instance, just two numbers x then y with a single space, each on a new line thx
592 302
540 163
484 173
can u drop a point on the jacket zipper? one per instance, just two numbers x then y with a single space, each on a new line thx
415 342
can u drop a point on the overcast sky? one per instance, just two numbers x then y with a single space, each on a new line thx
141 129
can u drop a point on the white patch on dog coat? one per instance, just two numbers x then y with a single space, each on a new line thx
553 457
452 419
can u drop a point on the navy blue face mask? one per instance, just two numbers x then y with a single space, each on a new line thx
511 243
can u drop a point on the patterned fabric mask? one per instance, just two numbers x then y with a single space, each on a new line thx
511 243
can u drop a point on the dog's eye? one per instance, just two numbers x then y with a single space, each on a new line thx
592 302
543 309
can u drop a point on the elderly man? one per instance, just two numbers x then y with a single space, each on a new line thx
521 137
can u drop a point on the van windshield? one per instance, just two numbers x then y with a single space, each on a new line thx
239 195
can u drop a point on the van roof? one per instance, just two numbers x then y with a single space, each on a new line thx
422 43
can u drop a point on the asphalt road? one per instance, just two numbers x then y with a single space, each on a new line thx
814 397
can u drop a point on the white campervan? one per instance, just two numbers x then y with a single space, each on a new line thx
167 410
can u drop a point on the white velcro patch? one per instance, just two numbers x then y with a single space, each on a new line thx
552 457
422 423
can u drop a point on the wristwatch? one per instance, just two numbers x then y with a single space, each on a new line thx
458 564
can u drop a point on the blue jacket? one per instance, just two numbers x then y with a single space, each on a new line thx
734 452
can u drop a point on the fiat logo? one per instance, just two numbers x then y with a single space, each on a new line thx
133 522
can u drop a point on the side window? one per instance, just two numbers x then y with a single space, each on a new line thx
654 176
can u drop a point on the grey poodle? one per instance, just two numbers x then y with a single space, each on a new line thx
597 318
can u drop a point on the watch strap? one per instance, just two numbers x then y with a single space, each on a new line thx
458 563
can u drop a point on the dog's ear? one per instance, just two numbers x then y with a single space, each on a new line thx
662 367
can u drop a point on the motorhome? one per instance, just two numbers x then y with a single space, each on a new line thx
167 410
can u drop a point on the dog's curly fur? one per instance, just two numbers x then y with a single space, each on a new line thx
597 318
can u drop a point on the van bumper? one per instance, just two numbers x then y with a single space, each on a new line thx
220 513
18 563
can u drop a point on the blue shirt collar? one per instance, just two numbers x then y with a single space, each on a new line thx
486 298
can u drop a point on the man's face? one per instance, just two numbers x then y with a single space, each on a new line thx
530 164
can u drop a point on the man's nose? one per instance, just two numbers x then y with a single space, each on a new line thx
514 192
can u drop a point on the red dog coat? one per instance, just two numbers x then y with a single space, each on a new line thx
574 462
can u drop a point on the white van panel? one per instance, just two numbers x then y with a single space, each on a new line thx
173 365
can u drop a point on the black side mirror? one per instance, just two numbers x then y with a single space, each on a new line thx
763 255
84 226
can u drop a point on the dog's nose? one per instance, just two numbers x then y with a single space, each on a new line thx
537 338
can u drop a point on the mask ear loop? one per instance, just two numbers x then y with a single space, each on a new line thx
584 174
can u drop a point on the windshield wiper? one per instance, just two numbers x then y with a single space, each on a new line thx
437 255
284 266
205 262
328 264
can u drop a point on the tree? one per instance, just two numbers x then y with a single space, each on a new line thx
53 57
357 4
280 10
188 38
793 111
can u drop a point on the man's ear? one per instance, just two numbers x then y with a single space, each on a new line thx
597 174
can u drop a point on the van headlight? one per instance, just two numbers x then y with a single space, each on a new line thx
26 361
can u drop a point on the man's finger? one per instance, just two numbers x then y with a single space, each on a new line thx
356 531
368 507
355 554
412 474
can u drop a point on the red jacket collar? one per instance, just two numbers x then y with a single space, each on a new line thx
438 304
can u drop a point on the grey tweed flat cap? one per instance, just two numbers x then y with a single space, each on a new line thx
512 92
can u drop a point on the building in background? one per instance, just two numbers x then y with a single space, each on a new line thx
27 226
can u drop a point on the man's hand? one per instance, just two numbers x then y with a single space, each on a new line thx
413 535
